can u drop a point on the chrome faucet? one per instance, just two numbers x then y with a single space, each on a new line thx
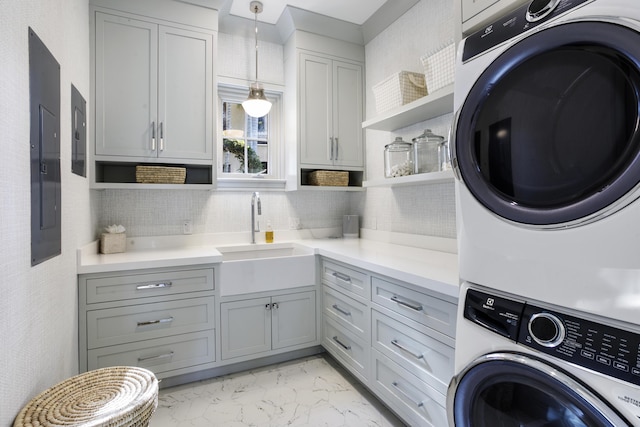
254 228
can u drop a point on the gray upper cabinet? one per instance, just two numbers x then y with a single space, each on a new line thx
153 91
330 112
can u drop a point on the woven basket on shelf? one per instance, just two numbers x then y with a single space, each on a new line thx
439 67
160 175
117 396
399 89
329 178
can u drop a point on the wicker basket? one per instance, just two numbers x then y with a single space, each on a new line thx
399 89
160 175
439 67
109 397
329 178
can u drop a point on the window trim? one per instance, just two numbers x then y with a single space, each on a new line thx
235 92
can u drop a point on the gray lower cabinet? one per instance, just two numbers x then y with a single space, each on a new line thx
396 338
259 325
160 319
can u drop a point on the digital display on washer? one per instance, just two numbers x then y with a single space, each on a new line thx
610 351
513 24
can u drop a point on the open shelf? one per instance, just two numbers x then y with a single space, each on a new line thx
417 179
433 105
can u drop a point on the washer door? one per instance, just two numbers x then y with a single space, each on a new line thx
513 390
549 134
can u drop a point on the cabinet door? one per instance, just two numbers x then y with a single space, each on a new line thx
246 327
126 63
294 319
347 114
185 94
316 91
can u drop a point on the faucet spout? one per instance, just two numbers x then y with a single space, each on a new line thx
255 201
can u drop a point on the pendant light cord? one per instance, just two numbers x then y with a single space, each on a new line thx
256 34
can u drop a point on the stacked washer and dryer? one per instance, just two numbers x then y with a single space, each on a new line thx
546 152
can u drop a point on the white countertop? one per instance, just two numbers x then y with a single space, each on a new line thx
428 268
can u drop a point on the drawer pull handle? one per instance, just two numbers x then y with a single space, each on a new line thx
405 349
154 286
342 277
346 347
159 357
412 305
341 310
155 322
418 403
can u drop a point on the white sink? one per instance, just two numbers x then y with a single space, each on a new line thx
265 267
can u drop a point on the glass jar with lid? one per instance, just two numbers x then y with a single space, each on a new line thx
398 158
427 152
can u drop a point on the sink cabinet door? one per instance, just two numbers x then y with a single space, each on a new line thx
246 327
294 319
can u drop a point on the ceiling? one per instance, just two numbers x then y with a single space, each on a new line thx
353 11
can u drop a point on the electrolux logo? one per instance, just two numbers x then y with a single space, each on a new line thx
488 305
490 302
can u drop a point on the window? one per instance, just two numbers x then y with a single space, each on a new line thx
249 147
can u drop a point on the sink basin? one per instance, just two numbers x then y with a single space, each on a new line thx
265 267
260 251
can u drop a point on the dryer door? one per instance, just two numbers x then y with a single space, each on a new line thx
512 389
548 136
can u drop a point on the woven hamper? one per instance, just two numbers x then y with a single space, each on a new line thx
329 178
439 67
160 175
399 89
107 397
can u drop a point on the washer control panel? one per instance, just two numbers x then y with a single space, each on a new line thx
606 349
515 23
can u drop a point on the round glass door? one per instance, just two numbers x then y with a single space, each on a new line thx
512 390
549 133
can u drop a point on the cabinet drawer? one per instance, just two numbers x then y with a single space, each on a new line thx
414 400
429 359
347 347
347 312
128 286
346 278
424 308
159 355
146 321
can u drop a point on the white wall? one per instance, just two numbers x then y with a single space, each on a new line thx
38 305
423 209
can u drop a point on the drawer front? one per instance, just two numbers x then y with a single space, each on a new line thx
346 278
423 308
429 359
147 321
347 347
415 401
347 312
117 288
160 355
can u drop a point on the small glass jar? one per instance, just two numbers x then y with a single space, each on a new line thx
427 152
398 159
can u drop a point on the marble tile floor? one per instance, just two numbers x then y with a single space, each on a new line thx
312 391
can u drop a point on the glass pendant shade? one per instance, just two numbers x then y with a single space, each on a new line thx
256 105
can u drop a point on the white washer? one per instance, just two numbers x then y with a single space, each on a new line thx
546 151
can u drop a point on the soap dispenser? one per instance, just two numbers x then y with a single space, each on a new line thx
268 235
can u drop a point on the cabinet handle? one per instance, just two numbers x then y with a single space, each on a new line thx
161 136
412 305
403 348
342 277
337 148
153 136
154 286
155 322
267 306
331 142
345 312
161 356
346 347
275 306
418 403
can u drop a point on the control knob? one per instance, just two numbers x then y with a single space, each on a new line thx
538 9
546 329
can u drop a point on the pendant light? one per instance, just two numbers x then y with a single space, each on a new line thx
256 105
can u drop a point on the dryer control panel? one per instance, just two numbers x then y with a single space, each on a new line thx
602 348
515 23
